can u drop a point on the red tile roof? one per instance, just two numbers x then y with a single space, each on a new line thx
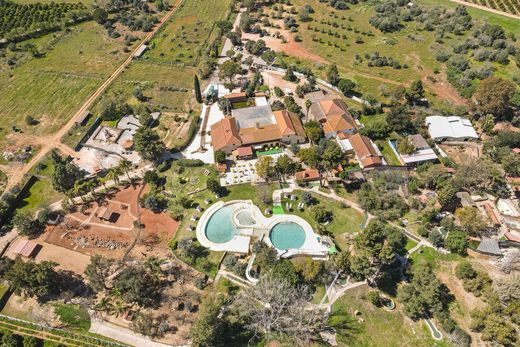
491 213
307 175
365 151
224 133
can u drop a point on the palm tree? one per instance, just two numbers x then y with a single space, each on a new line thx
79 189
70 196
113 175
308 105
126 165
103 305
91 186
154 265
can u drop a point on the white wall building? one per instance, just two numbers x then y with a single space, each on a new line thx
450 128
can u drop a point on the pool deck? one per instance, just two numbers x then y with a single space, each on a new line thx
241 242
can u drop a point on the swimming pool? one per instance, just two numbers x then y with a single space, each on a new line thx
287 235
220 228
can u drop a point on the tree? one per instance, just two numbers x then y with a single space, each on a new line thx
208 329
9 339
30 341
220 156
493 96
289 75
26 225
313 131
309 156
97 272
508 288
151 177
308 268
264 167
286 314
113 109
333 75
456 242
399 119
65 173
285 165
196 88
213 185
33 279
470 220
100 15
424 295
416 92
125 166
346 86
405 146
228 70
321 214
138 94
511 164
332 155
446 195
147 324
138 285
148 143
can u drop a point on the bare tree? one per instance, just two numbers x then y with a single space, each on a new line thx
274 306
508 288
510 262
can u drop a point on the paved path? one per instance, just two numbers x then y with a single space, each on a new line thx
484 8
55 140
124 335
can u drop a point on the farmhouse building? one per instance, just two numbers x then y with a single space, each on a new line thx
258 127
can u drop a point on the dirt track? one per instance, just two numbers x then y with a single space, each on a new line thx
54 141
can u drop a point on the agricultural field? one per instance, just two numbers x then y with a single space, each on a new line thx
346 38
51 88
187 35
507 6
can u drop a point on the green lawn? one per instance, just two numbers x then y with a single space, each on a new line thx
345 220
278 209
388 153
42 192
73 316
380 327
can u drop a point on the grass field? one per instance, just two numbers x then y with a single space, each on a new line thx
379 325
345 220
188 32
73 316
51 88
42 192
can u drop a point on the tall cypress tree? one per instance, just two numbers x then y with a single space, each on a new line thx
198 94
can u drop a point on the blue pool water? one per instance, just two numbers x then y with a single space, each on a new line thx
220 228
287 235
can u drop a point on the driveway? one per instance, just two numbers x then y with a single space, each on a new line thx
123 335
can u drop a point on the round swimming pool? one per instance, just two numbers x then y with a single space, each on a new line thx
220 228
287 235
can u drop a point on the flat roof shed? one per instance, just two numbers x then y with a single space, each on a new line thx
25 248
83 117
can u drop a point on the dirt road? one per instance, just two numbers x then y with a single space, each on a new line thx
54 141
